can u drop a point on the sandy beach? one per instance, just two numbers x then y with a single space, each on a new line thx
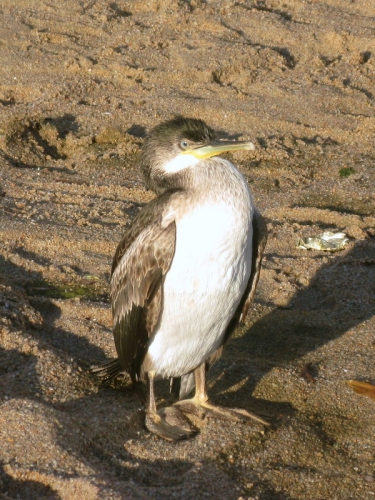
81 83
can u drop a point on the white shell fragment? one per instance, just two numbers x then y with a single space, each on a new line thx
330 242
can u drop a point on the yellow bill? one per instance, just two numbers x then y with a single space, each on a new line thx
217 148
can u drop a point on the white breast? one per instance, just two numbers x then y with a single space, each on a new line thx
208 276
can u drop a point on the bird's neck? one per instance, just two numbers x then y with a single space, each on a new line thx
217 178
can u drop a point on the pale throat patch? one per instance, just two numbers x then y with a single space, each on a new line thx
180 162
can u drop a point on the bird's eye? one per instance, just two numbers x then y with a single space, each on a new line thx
184 144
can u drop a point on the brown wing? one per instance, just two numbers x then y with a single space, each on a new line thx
186 384
148 215
141 261
259 245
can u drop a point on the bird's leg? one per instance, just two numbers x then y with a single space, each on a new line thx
150 401
195 405
168 423
201 406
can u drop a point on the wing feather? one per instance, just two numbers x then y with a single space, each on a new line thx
259 245
141 261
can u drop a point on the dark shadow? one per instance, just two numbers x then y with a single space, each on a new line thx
17 163
17 488
30 132
222 134
64 124
8 102
118 11
55 338
43 261
317 139
271 494
315 315
133 209
137 131
14 363
83 423
19 379
333 208
347 83
191 97
289 59
285 16
101 440
365 57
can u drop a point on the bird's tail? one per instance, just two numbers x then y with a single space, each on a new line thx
181 387
107 371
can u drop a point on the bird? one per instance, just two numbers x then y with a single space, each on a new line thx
185 273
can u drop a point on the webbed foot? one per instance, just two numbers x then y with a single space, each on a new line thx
169 423
201 409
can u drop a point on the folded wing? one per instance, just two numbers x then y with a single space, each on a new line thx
141 261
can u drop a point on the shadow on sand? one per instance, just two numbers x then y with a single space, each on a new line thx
335 301
339 297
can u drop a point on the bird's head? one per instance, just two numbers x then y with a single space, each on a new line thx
174 147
